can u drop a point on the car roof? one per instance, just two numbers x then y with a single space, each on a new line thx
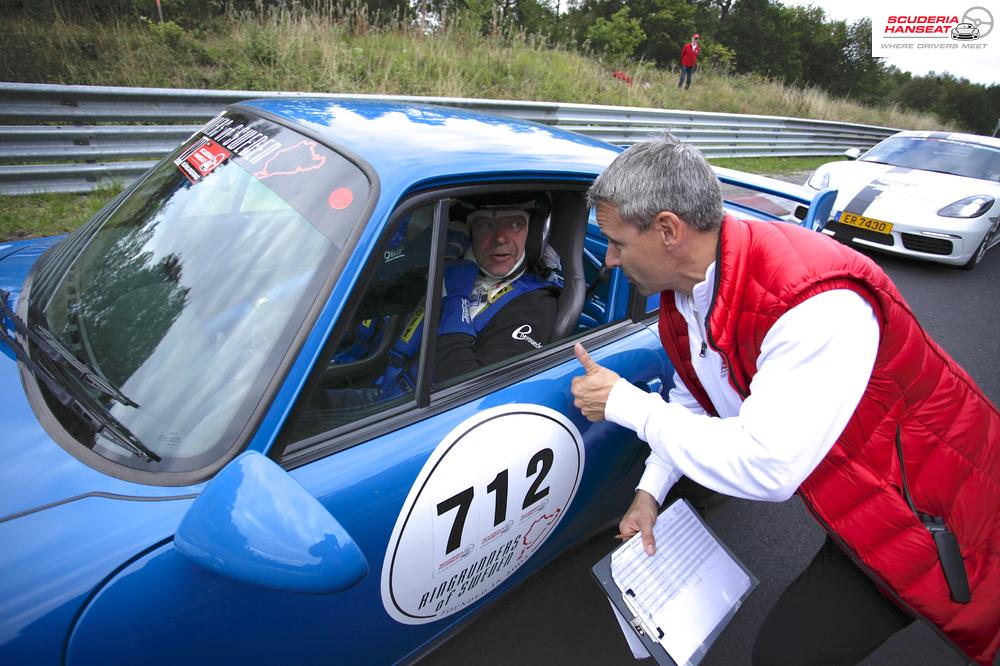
406 143
990 141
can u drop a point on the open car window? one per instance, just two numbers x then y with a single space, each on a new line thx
373 364
369 370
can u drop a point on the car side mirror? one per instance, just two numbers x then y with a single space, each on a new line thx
818 213
852 153
254 523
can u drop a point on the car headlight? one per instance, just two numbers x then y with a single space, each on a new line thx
973 206
819 180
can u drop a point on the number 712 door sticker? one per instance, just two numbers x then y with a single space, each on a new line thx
489 495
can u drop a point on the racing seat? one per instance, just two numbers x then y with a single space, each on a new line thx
567 232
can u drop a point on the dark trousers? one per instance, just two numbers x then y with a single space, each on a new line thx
831 614
686 72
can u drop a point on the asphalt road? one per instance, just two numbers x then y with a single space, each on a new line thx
560 616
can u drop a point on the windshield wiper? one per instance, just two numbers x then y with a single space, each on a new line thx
55 350
96 419
947 173
50 345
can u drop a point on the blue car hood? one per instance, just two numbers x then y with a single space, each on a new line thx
36 471
17 258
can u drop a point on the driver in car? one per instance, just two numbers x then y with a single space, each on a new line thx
497 302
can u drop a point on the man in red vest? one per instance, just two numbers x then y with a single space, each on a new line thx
800 369
689 60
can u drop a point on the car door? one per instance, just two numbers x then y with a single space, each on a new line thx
445 496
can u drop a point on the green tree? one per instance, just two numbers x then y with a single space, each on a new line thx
667 24
616 39
819 46
864 72
536 17
717 10
581 15
972 105
722 58
755 30
495 16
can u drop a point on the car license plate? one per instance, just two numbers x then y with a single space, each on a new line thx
870 223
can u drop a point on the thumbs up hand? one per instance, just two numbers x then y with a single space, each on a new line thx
591 390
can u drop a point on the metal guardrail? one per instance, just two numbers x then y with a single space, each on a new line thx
49 141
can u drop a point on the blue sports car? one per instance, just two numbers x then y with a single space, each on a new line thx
191 475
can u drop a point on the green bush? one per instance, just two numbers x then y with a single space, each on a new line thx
168 32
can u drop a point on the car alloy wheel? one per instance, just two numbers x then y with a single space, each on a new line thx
980 252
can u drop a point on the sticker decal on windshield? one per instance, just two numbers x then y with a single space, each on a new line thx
250 143
302 157
201 159
488 497
340 198
317 182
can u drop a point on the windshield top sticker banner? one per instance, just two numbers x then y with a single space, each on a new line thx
488 497
247 142
201 159
930 28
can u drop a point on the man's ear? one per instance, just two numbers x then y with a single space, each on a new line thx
669 228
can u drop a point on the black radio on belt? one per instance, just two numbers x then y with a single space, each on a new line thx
950 556
949 553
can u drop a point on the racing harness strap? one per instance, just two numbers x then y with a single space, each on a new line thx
399 377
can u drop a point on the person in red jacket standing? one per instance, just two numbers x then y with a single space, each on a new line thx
689 60
800 369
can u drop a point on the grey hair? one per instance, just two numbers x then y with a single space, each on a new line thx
661 174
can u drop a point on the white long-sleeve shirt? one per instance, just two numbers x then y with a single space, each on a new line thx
814 365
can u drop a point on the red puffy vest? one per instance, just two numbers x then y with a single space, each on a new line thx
948 431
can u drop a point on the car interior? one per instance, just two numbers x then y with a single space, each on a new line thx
388 308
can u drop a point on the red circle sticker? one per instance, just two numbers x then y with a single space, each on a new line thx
340 198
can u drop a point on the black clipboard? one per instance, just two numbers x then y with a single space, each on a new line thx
642 625
602 572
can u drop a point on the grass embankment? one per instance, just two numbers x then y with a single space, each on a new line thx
339 50
773 166
48 214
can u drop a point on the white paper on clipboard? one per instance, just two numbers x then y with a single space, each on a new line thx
689 589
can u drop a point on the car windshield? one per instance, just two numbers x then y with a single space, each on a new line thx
189 293
961 158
